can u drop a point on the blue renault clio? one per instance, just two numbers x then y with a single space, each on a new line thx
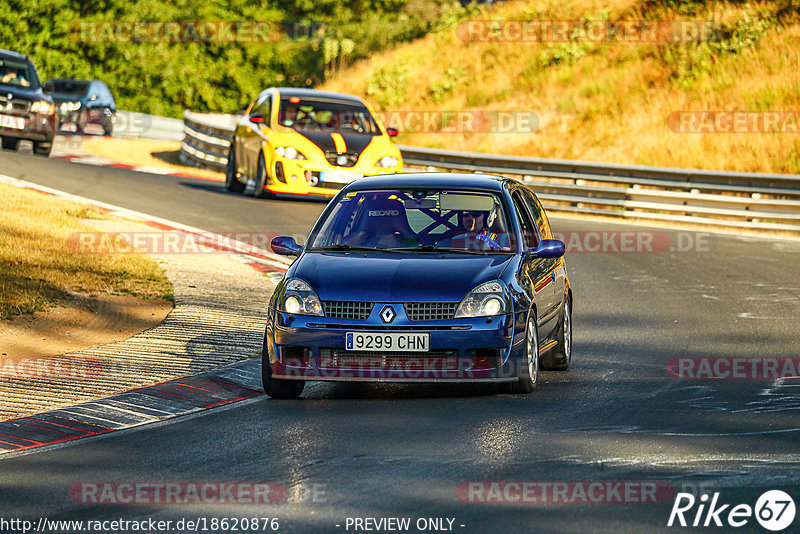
422 278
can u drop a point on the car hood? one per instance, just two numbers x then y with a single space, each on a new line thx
397 277
23 93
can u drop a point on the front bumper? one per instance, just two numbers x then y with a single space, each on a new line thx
460 350
34 127
310 178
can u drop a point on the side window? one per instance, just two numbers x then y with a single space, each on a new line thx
539 215
263 107
529 236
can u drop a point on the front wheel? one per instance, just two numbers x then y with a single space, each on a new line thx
10 143
42 148
529 365
274 387
261 180
232 183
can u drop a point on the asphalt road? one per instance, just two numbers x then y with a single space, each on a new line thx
358 451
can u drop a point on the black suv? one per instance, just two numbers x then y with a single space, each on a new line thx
26 112
83 102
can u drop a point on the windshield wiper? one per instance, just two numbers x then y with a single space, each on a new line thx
348 248
434 248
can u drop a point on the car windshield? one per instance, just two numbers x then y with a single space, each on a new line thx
19 73
326 116
71 87
408 221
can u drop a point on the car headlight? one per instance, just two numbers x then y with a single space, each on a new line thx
485 300
43 107
387 162
298 298
289 152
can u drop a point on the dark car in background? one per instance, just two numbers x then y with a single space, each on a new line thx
83 102
26 112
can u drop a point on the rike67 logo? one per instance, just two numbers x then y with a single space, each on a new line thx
774 510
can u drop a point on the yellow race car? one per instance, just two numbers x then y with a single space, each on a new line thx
306 142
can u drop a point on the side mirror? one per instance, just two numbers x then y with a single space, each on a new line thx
548 248
257 119
392 132
49 87
285 246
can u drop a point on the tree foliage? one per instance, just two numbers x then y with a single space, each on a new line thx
311 39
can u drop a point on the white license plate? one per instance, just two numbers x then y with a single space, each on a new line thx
385 342
8 121
340 177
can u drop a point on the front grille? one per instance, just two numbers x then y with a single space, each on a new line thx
14 105
332 156
345 309
438 360
430 311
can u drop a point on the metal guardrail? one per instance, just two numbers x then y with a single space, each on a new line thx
144 126
738 200
207 139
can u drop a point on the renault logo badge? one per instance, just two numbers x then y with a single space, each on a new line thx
388 314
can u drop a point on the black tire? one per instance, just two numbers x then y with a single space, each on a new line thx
261 179
529 365
560 357
10 143
276 388
232 183
108 127
42 148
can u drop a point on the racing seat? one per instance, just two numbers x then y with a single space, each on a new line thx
382 223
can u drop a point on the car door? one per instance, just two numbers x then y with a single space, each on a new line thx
537 274
559 265
248 135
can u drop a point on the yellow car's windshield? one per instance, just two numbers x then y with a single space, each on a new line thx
326 116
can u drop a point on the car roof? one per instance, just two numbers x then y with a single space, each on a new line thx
15 55
487 182
72 80
302 92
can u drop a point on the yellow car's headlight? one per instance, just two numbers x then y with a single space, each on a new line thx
386 162
289 152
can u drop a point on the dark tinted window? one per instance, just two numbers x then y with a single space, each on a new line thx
539 215
529 234
453 220
71 87
19 73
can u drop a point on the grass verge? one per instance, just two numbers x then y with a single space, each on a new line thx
38 268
